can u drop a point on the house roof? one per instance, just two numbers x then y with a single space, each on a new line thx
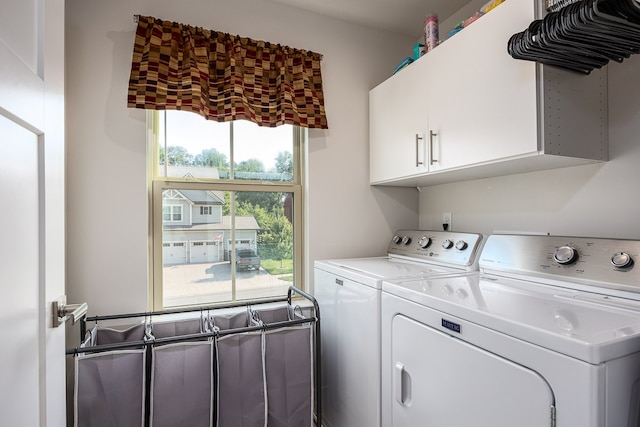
203 197
242 223
193 171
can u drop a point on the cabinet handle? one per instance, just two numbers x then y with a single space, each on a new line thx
431 159
418 138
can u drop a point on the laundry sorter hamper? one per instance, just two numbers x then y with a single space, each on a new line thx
232 366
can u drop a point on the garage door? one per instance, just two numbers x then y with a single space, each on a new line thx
204 251
174 253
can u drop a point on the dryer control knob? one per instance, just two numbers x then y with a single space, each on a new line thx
621 260
406 240
396 239
565 255
447 290
461 245
447 244
424 242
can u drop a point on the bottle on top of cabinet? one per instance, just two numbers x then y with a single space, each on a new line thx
431 32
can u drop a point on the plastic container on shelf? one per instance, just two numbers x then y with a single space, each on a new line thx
491 5
431 32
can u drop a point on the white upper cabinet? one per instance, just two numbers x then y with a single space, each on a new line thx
397 125
480 113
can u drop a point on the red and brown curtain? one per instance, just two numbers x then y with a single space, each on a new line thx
224 77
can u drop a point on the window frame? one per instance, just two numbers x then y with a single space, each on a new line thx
158 184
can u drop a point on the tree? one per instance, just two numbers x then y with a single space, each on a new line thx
284 163
176 156
284 243
264 199
251 165
212 158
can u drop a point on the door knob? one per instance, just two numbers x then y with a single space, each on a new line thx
63 311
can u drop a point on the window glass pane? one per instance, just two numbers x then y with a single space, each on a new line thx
274 243
262 153
220 257
195 147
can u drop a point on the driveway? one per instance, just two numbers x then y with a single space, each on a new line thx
208 283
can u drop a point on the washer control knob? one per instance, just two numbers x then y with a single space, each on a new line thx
406 240
461 294
424 242
565 255
447 290
621 260
461 245
447 244
396 239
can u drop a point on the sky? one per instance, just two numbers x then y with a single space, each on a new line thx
194 133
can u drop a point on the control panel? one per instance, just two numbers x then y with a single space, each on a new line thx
461 249
594 261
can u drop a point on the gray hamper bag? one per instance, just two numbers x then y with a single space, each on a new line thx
176 328
240 372
289 369
104 336
110 389
182 385
289 374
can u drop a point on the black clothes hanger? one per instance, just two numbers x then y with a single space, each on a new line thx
581 36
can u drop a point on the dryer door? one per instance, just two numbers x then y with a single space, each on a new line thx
442 381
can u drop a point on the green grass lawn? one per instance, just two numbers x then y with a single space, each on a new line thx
276 267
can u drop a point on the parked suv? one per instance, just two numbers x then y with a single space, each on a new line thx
247 259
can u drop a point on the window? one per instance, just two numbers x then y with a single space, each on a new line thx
224 191
171 213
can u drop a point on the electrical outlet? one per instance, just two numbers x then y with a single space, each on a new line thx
446 219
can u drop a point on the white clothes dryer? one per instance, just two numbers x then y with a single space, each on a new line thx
546 334
348 292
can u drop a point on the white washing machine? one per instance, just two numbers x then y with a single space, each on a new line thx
546 334
348 292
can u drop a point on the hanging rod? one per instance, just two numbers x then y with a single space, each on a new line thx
186 310
555 5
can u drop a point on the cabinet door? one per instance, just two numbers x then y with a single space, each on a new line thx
397 122
441 381
482 102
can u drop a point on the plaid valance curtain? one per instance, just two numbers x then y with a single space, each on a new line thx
224 77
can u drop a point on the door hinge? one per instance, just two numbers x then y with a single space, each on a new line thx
553 416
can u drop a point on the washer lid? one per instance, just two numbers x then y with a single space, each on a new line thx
372 271
588 326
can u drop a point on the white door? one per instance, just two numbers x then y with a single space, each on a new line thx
442 381
32 359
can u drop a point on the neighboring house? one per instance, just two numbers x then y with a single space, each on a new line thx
195 231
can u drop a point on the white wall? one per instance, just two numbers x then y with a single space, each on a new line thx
596 200
107 212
